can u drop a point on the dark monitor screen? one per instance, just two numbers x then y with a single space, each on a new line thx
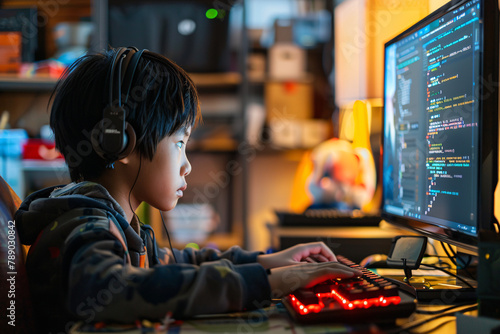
441 123
192 33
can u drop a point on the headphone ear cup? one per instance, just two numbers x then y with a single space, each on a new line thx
129 140
96 139
129 143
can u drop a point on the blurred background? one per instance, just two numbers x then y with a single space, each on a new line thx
276 78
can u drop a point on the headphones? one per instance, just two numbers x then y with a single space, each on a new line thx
112 137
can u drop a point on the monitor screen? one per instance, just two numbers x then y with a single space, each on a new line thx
441 123
193 33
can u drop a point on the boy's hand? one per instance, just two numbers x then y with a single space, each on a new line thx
310 252
285 280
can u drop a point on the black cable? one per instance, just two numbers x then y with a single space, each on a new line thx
453 258
132 188
433 329
449 273
423 321
439 262
444 310
168 236
469 260
135 215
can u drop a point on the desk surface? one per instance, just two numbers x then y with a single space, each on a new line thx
275 319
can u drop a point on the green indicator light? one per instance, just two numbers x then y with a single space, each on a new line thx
211 13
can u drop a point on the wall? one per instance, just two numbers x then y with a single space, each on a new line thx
362 27
270 183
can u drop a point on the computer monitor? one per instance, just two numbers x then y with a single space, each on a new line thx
440 135
193 33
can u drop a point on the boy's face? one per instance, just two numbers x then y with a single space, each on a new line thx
163 180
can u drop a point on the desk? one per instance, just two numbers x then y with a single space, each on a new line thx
354 243
274 319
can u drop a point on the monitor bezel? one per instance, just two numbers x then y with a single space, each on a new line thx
488 132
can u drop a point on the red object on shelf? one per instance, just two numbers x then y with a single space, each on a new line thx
40 149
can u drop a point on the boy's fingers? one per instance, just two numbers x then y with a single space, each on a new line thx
340 273
320 258
321 249
344 268
327 252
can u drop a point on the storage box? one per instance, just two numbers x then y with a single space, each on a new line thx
289 100
290 134
22 22
191 222
10 51
40 149
11 149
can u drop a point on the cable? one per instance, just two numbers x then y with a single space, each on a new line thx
435 251
403 286
449 273
168 235
133 185
137 217
444 310
439 262
454 259
423 321
432 330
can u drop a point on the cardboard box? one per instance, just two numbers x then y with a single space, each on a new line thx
292 134
10 51
289 100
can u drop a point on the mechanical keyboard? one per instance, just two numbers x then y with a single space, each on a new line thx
369 298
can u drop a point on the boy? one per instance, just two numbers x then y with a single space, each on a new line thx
122 119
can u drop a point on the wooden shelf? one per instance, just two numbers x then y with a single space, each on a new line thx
14 82
221 241
216 79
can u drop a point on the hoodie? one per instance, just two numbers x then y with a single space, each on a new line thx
86 262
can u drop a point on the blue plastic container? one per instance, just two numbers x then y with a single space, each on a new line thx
11 152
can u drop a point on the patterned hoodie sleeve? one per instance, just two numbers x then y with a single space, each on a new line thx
190 255
103 286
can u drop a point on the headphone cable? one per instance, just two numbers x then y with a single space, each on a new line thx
168 236
132 188
161 214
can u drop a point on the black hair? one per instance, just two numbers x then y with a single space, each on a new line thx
162 100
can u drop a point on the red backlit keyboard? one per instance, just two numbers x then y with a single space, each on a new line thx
367 298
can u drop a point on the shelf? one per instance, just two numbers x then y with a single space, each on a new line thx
213 145
221 241
44 166
14 82
45 83
216 79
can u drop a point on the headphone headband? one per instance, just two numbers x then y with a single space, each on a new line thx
113 138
